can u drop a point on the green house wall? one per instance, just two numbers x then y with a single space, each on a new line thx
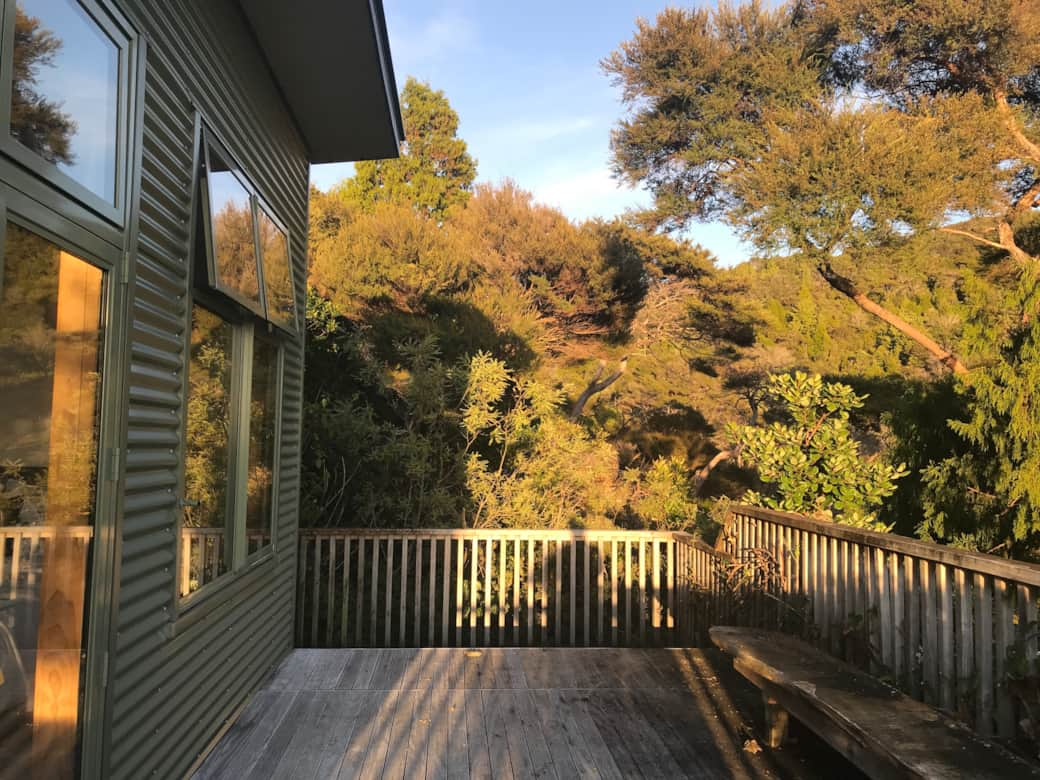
176 677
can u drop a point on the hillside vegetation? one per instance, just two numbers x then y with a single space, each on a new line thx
477 359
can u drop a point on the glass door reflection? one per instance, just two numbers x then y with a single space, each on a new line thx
50 350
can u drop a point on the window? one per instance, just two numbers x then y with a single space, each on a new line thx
278 285
263 405
232 237
207 464
230 449
67 80
246 250
51 304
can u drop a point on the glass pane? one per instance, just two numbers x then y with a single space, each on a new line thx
231 217
263 414
65 91
204 553
274 248
50 347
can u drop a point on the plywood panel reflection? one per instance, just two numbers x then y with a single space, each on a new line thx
70 488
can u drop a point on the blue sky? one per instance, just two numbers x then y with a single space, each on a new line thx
533 103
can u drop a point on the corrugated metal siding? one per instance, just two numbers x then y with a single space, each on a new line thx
171 690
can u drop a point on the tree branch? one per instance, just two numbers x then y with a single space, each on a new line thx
701 475
848 288
1030 149
973 237
597 385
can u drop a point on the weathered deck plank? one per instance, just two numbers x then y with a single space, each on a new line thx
596 713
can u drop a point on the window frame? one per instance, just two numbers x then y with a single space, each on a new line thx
237 559
259 207
240 565
118 29
210 143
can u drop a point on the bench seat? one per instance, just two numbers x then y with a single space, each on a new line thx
879 729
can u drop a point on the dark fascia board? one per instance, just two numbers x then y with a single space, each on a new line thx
331 59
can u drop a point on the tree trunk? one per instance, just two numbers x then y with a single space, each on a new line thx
597 385
701 475
848 288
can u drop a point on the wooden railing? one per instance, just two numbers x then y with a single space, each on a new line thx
202 554
22 548
498 587
939 622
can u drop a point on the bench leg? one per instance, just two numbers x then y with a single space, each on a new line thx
776 721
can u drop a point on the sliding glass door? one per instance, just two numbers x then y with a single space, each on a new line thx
51 337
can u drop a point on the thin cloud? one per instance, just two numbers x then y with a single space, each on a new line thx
436 39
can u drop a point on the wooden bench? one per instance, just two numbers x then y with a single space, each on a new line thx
883 732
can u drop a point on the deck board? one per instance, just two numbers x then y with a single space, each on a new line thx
449 714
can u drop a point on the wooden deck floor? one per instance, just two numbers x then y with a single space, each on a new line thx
499 713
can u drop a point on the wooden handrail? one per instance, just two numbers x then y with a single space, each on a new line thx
983 563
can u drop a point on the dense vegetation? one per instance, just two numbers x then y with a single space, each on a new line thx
476 358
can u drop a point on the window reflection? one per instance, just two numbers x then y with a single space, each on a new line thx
274 249
65 91
231 217
50 344
263 413
207 446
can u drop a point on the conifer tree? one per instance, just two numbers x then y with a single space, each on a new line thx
434 171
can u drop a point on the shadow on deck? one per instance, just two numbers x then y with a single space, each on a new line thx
501 713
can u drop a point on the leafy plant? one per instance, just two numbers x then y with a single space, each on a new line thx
811 457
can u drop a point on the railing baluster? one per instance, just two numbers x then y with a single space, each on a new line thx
586 607
388 594
600 600
516 591
488 569
530 592
558 584
346 592
572 595
459 576
898 622
983 627
359 617
403 623
930 633
913 617
316 592
503 592
431 626
613 593
642 591
445 591
947 670
544 625
417 617
628 591
1004 636
374 606
965 641
474 555
330 610
656 584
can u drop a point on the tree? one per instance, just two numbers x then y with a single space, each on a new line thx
986 494
731 119
811 456
977 53
37 122
434 171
